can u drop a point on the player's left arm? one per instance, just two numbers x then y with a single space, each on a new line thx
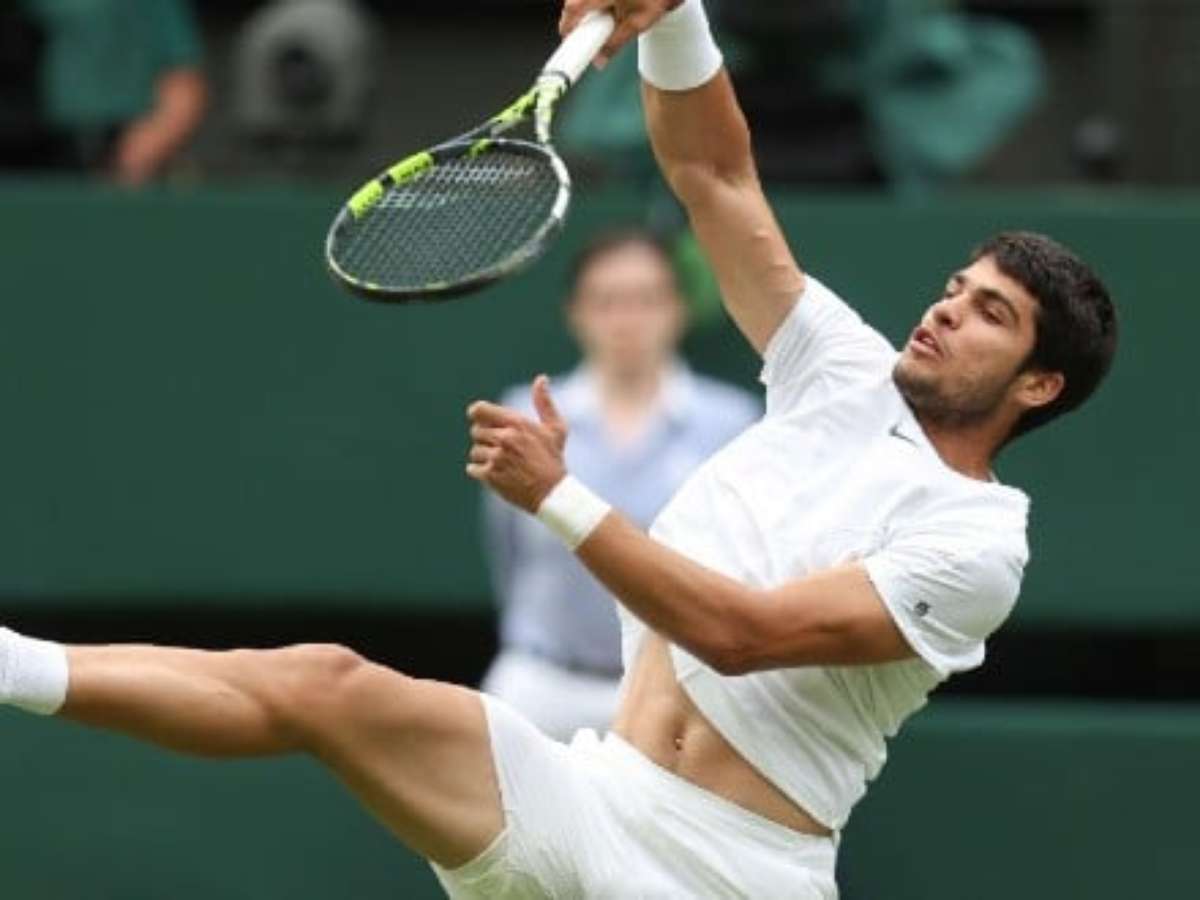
833 617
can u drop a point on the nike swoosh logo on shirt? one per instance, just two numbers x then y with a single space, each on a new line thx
895 432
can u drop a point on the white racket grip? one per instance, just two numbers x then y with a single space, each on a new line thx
581 45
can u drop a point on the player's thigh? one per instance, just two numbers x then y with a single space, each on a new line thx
416 753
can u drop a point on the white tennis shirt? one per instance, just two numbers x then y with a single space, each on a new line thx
838 469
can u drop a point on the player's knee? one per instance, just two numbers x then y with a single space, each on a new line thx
310 681
323 662
319 671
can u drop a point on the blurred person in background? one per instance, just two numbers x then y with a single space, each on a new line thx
641 421
107 87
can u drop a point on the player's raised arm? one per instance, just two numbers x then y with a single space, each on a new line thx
702 144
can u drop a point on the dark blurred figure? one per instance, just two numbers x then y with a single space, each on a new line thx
304 71
108 87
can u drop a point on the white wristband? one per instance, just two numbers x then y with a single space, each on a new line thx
572 511
679 52
33 673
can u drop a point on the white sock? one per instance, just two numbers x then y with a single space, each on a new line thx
33 673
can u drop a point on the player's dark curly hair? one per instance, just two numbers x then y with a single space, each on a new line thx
1076 326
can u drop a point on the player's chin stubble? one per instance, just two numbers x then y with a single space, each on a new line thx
935 404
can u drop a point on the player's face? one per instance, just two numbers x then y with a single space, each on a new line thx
626 314
962 362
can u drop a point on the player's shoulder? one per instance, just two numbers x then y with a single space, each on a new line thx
989 518
824 335
828 306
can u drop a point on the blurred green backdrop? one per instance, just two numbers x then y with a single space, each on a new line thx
193 410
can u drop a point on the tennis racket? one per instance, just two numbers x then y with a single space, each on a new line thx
469 211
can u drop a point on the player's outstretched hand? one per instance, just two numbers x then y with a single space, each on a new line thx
521 460
632 18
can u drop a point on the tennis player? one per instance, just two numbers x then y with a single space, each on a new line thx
796 601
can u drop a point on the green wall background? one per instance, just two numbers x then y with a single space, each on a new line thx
192 410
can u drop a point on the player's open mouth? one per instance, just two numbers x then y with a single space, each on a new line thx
924 343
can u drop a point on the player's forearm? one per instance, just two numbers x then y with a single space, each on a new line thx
689 604
700 138
702 144
696 127
714 177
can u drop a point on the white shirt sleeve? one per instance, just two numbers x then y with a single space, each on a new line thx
947 592
822 346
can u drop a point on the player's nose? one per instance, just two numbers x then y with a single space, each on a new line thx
946 313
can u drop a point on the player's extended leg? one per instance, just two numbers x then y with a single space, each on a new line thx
416 753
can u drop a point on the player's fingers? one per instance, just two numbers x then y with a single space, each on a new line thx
625 31
486 434
547 412
478 471
479 454
481 412
568 19
574 10
628 27
544 403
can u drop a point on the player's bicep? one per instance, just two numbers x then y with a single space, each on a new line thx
759 278
832 617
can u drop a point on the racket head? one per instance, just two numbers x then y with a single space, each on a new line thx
449 221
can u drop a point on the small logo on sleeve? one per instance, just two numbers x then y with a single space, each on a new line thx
921 609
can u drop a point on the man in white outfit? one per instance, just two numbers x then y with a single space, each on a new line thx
797 599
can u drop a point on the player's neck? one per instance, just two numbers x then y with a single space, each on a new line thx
967 449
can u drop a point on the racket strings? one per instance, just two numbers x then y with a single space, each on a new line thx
465 217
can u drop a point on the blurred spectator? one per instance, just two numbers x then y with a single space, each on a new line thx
640 422
111 87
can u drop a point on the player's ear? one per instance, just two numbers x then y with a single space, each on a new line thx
1038 387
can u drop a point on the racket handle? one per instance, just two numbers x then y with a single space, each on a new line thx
580 46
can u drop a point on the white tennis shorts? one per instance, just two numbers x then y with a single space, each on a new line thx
597 819
556 700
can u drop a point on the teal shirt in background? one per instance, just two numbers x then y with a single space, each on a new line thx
104 57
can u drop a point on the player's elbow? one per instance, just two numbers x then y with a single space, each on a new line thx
759 640
729 660
734 647
698 184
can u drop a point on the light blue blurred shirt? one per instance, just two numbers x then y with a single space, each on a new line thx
550 605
